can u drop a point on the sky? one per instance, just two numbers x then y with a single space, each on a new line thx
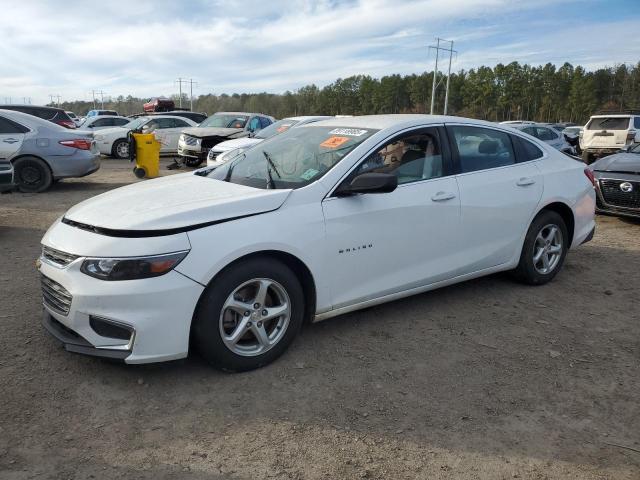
140 47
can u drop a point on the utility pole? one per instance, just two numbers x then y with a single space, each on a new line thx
435 84
189 82
101 93
56 97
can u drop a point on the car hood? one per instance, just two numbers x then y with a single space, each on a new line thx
201 132
620 162
174 202
243 142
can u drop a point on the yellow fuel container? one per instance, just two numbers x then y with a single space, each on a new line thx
147 155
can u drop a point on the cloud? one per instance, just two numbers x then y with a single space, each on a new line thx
141 47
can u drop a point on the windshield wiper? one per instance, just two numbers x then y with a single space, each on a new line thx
270 166
227 177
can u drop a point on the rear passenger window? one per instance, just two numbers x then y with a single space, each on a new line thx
546 134
636 123
120 121
525 150
482 148
9 127
264 122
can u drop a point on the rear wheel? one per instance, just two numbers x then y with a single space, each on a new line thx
249 315
587 157
32 175
120 148
545 248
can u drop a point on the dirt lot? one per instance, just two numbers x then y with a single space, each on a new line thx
488 379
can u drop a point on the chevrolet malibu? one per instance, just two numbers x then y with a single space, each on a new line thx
335 216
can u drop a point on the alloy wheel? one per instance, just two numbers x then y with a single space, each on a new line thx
123 149
547 249
255 317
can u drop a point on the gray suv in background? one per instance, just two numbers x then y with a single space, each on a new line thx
42 152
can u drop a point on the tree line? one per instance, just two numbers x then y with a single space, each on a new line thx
542 93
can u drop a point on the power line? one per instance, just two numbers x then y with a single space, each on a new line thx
55 96
101 93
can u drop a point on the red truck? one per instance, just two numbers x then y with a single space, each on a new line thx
159 104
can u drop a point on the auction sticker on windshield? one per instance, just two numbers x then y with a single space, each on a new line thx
352 132
334 142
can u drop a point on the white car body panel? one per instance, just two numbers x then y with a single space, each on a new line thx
10 144
360 250
168 137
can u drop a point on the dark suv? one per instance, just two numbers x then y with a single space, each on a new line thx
55 115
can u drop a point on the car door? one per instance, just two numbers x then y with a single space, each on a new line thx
11 137
173 133
164 129
498 194
384 243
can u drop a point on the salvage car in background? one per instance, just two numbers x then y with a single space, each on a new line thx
52 114
223 151
74 117
607 134
331 217
618 183
113 141
572 136
547 134
100 113
159 104
195 116
194 143
42 152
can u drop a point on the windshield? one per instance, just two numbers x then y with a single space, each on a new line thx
135 123
293 160
280 126
225 121
609 123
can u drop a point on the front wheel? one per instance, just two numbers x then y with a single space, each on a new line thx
120 148
544 250
249 315
192 162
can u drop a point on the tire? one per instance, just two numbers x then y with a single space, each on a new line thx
587 157
192 162
32 175
534 273
239 286
120 149
139 172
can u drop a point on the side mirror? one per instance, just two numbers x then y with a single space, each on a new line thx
368 183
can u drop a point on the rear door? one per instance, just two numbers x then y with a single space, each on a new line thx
11 137
498 194
606 132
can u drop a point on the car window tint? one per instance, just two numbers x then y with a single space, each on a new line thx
102 122
608 123
482 148
411 157
43 113
120 121
525 150
161 123
264 122
530 131
9 127
180 123
254 124
636 123
545 134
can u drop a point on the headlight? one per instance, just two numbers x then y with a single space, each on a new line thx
131 268
228 155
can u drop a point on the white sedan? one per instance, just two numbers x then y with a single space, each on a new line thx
224 151
102 122
167 128
332 217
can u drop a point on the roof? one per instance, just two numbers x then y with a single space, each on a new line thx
241 113
385 121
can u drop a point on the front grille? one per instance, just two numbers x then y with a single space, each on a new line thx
55 296
614 196
57 257
189 140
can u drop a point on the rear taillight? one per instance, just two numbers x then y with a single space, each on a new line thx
67 123
631 136
590 176
80 144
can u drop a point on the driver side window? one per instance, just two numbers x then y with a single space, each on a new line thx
411 157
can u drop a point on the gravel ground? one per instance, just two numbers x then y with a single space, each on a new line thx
486 379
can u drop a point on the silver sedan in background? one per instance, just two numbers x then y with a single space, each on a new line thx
41 151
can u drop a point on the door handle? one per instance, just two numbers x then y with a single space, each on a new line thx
10 140
525 181
443 196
